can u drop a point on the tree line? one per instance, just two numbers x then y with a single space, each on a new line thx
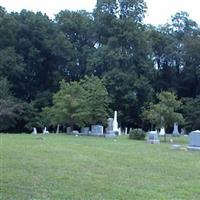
109 57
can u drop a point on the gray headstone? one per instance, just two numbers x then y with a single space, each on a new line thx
75 132
69 130
152 137
111 134
97 130
85 130
175 131
194 140
110 124
183 131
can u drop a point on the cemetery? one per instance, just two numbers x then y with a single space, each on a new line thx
59 166
99 104
100 162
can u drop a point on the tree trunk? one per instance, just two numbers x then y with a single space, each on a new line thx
58 129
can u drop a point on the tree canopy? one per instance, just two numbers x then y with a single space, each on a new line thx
108 57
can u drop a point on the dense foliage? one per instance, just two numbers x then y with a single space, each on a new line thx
134 61
137 134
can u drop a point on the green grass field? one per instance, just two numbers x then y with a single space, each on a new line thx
90 168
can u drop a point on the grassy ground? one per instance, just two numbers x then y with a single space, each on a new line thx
71 168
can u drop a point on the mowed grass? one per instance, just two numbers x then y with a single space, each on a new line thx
90 168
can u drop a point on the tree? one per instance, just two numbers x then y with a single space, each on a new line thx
9 107
165 112
95 99
77 28
79 103
191 113
12 67
133 9
67 102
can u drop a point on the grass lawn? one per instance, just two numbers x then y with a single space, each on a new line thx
90 168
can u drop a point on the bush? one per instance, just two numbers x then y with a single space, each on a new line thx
137 134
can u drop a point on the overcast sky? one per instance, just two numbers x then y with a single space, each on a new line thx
159 11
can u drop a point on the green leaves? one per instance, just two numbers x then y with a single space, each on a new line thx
191 112
79 103
165 112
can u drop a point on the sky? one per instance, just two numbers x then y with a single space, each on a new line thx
159 11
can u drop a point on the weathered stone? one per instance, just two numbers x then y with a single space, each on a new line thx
153 137
97 130
175 131
194 140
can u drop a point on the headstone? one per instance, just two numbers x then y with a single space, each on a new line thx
45 131
113 130
162 131
97 130
115 123
110 124
34 131
58 129
111 134
183 131
126 131
75 132
69 130
175 131
153 137
194 140
85 130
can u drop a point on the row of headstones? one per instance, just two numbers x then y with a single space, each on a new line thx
95 130
194 139
44 131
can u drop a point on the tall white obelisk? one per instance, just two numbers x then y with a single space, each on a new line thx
115 123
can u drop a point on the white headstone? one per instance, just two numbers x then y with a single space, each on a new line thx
34 131
115 123
162 131
45 131
126 131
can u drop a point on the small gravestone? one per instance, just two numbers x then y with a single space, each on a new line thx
111 134
183 131
69 130
75 132
58 129
162 131
97 130
153 137
175 131
126 131
34 131
45 131
194 140
85 130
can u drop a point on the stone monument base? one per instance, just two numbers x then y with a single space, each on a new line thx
194 148
111 134
153 141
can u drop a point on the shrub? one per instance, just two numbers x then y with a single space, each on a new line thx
137 134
